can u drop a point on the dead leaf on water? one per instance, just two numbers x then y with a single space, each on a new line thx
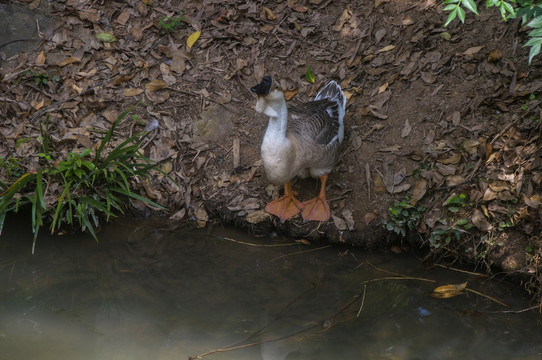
448 291
452 287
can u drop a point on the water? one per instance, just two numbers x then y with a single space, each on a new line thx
149 292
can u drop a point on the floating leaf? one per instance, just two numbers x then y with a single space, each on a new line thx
309 75
193 38
452 287
106 37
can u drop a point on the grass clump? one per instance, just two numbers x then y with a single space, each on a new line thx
170 24
88 185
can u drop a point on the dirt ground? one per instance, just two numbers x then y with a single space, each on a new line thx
432 113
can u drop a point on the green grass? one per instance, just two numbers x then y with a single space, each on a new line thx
92 185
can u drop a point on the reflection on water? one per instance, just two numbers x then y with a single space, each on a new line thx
147 293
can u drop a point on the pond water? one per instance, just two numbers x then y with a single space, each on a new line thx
149 292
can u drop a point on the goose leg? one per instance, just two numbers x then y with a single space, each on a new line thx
317 209
286 206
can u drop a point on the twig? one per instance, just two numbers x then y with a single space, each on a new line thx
252 244
362 300
301 252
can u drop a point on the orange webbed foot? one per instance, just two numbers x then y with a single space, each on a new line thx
286 206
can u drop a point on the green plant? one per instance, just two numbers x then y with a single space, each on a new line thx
456 202
171 24
88 186
445 231
530 12
403 217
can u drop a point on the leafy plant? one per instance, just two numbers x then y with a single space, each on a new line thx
445 232
171 24
530 12
43 78
403 217
89 186
456 202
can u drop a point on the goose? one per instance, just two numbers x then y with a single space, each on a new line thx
301 141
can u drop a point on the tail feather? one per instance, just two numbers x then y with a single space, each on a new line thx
333 92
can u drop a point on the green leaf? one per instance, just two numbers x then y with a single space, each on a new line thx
461 14
509 8
309 75
462 221
451 16
535 50
536 22
470 5
106 37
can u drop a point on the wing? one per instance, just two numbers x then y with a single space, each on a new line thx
317 121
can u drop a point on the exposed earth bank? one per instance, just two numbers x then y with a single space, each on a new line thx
442 124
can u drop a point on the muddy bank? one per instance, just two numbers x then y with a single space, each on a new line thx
441 123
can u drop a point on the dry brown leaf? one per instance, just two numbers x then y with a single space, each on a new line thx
472 50
420 188
495 56
454 180
268 13
288 94
406 129
34 5
68 61
349 218
132 92
454 159
387 48
383 88
40 59
369 217
479 220
345 16
378 184
339 223
123 17
156 85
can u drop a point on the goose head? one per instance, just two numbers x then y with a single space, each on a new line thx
271 103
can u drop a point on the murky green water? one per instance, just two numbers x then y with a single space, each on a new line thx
151 293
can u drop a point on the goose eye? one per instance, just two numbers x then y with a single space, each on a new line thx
264 87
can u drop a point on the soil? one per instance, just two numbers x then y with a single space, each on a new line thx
432 113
